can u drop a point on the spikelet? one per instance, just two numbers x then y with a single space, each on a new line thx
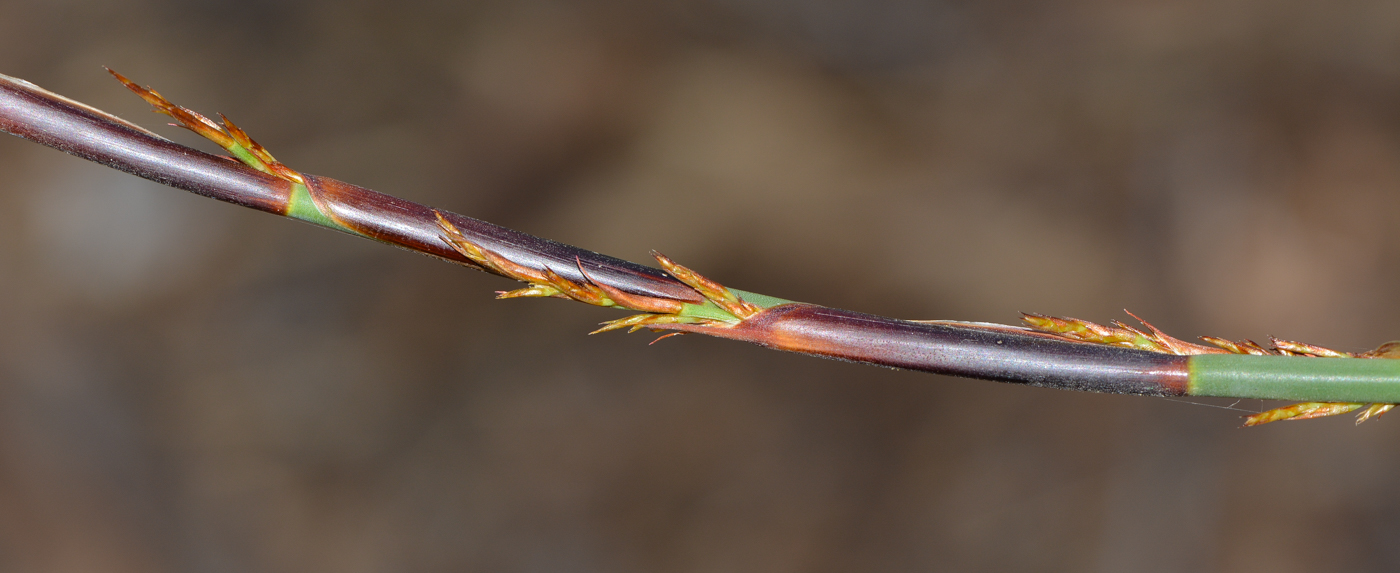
228 136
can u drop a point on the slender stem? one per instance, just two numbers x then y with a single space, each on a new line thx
1057 353
38 115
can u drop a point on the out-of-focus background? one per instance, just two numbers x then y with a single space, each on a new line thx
188 386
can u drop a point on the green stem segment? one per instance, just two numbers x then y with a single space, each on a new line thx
711 311
1365 380
302 207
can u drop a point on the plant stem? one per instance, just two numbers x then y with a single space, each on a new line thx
1057 353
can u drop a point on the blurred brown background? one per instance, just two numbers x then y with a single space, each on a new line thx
188 386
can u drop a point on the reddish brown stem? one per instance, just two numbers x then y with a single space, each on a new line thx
1003 354
978 351
35 114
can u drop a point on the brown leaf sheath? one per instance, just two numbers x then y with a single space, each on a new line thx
414 226
634 302
970 350
38 115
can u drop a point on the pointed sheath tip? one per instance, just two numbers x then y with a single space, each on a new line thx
120 78
1038 321
664 337
146 93
666 262
629 300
